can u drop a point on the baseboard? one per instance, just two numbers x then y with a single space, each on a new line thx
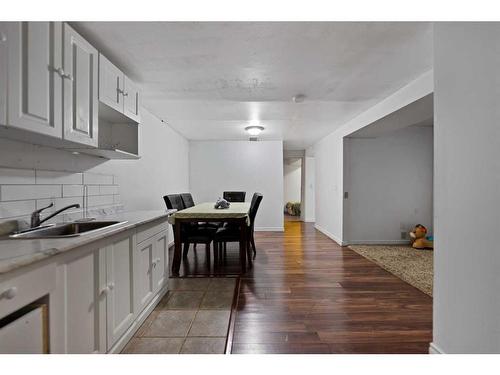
310 220
270 229
122 341
434 349
330 235
378 242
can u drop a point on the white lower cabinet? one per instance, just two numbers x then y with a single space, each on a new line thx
119 289
160 261
152 268
79 315
102 290
144 285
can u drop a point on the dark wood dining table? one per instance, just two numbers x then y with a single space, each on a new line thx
236 213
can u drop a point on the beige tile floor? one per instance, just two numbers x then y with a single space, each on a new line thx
193 318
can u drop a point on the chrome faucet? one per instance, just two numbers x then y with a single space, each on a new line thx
35 216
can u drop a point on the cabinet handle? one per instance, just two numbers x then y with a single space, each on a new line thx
62 74
125 93
111 286
9 293
104 291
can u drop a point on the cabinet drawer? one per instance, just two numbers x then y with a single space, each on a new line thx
149 230
25 288
27 333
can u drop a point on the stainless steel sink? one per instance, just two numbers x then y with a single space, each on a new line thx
67 230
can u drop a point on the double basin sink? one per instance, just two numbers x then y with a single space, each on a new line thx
73 229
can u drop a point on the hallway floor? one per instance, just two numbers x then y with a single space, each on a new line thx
306 294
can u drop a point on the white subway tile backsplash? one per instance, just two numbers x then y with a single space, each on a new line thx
93 190
17 176
97 179
72 190
24 192
55 178
100 200
17 208
108 189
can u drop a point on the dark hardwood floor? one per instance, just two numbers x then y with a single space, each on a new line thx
306 294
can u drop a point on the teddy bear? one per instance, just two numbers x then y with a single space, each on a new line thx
419 239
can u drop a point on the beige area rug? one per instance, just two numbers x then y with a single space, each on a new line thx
409 264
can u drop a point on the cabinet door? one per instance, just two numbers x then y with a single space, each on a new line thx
80 89
144 274
160 260
79 313
120 283
35 87
131 100
110 84
3 73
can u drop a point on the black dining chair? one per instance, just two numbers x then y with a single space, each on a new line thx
187 200
234 196
192 234
231 233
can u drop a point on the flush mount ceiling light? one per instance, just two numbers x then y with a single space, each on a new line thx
254 130
299 98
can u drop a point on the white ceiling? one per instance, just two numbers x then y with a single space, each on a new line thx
208 80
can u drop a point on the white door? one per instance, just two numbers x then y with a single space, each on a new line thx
3 73
35 77
120 283
144 274
110 84
80 303
131 100
160 260
80 89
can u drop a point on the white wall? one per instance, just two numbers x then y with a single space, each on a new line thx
329 155
292 181
240 165
467 188
390 183
309 189
163 168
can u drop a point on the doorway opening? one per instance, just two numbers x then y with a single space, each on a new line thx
292 188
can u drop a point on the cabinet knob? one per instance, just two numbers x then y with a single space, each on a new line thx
111 286
125 93
9 293
104 291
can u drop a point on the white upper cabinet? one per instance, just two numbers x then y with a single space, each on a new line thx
3 73
117 91
110 84
131 100
35 77
80 81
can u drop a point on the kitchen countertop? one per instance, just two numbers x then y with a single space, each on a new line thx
16 253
